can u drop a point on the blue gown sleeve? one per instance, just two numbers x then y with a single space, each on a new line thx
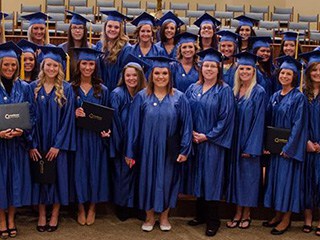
254 143
296 145
222 133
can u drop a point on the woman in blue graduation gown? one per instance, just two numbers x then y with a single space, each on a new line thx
115 45
287 108
145 47
228 45
185 71
159 139
312 162
212 106
91 173
53 134
170 25
15 179
244 171
245 30
124 177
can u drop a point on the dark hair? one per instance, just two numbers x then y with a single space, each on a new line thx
265 67
95 81
150 85
219 80
308 88
295 80
282 45
141 79
35 70
252 34
214 42
163 38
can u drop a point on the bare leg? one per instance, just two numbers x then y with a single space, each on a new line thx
246 220
236 219
42 221
163 218
318 228
81 214
55 215
307 227
91 214
3 224
150 217
284 222
11 223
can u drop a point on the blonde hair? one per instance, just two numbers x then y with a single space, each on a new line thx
120 42
30 35
238 83
58 84
16 73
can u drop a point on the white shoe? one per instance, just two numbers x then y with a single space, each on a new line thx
165 228
147 227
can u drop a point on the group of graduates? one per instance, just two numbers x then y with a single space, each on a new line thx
189 117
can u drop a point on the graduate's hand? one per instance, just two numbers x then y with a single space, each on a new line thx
199 137
311 146
266 152
80 112
182 158
6 134
35 155
105 134
317 147
130 162
283 154
52 154
245 155
17 132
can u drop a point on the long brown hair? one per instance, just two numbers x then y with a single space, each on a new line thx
195 56
150 85
163 27
136 33
201 78
95 81
142 82
308 89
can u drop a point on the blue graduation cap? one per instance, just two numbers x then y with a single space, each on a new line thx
27 46
290 35
210 55
143 18
88 54
77 18
170 17
207 19
132 60
317 48
161 61
36 18
55 53
227 35
185 37
311 57
246 58
246 21
115 16
258 42
287 62
10 49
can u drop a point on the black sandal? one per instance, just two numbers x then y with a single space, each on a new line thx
247 220
234 223
12 232
318 231
307 228
4 234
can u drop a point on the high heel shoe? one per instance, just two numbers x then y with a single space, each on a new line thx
13 232
4 234
52 228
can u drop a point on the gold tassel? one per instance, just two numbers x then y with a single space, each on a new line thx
22 75
68 68
90 35
297 46
3 30
301 79
47 32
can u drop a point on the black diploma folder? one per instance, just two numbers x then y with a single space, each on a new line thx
173 146
98 118
15 115
276 138
44 171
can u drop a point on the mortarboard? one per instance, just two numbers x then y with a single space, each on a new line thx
131 60
290 35
311 57
246 21
143 18
77 18
10 49
246 58
36 18
228 36
185 37
287 62
258 42
88 54
210 55
207 18
27 46
115 16
170 17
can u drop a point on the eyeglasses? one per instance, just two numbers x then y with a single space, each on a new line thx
80 28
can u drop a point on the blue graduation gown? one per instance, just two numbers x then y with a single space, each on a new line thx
284 179
228 74
182 79
110 73
55 127
91 157
151 123
213 115
124 178
172 54
153 52
266 82
312 163
244 173
15 179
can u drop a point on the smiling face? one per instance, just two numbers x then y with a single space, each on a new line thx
315 74
87 68
77 31
131 77
38 32
29 61
246 73
145 33
170 30
289 48
8 67
286 77
264 53
112 29
206 30
245 32
51 68
227 48
187 50
210 70
160 77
